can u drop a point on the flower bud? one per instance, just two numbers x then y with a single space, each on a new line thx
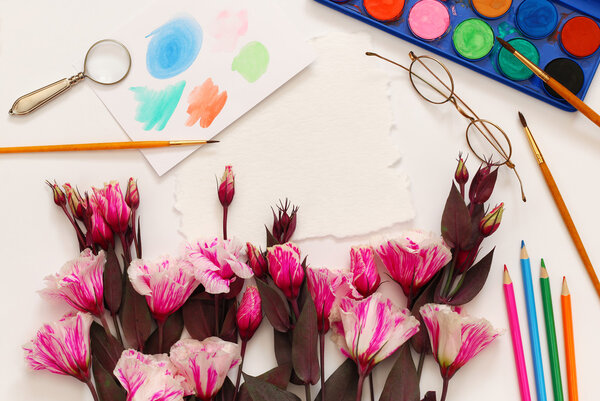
466 258
102 235
116 212
59 195
483 184
256 260
284 223
226 187
132 197
365 276
286 269
491 221
249 314
461 175
76 203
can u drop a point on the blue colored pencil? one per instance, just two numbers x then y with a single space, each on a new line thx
534 335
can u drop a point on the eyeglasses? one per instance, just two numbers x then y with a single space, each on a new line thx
434 83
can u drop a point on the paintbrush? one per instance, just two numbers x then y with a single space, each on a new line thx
103 146
554 84
562 207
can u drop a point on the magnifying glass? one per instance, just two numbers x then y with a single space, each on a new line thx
106 62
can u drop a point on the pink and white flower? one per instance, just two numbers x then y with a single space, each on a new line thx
62 347
414 259
286 268
256 260
148 377
365 276
166 284
249 313
370 330
80 283
217 263
114 208
204 364
101 233
455 336
327 288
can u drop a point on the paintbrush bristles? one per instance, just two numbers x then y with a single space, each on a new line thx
506 45
522 118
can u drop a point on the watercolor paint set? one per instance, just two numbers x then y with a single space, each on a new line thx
562 37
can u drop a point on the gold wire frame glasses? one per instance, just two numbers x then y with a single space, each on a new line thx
494 149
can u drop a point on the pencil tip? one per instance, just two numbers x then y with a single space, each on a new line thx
524 254
522 244
565 288
506 278
543 270
542 263
522 118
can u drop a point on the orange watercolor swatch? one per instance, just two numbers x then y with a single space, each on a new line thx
205 104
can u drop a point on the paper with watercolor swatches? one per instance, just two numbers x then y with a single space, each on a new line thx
197 66
561 36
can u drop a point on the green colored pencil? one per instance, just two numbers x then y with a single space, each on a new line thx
551 334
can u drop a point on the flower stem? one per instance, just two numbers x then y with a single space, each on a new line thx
372 391
322 356
78 231
307 391
361 380
450 275
92 389
134 234
116 323
420 366
161 326
217 301
111 339
444 389
296 308
225 222
239 373
126 250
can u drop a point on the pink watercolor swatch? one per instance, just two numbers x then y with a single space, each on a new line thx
228 28
205 104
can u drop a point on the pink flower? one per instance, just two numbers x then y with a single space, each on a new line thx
455 337
256 260
148 377
204 364
217 263
101 233
226 187
132 196
370 330
249 313
62 347
79 283
286 269
365 276
116 212
166 284
326 287
413 260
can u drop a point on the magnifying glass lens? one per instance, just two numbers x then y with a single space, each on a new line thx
107 62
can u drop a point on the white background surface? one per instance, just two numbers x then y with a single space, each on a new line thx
38 41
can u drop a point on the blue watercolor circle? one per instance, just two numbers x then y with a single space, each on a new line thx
174 47
537 18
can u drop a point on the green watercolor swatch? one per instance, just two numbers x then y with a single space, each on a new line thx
511 66
473 38
156 107
505 29
252 61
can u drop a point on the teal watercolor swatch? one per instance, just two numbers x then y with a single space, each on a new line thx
252 61
156 107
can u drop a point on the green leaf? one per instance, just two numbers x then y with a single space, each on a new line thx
474 281
171 334
104 350
261 390
305 339
135 317
402 383
342 385
199 316
107 387
113 281
275 306
278 376
456 221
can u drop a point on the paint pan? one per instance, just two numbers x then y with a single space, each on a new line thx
567 72
580 36
473 39
491 8
537 19
511 67
429 19
384 10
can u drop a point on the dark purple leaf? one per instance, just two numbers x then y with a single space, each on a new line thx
305 339
199 316
171 334
484 188
456 221
113 281
283 347
261 390
229 328
104 350
429 396
227 392
271 241
474 281
234 288
342 385
278 376
476 215
275 306
107 387
420 341
135 318
402 383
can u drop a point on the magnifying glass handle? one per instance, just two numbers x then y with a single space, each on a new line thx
31 101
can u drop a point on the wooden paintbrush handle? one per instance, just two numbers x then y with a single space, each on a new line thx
85 146
574 100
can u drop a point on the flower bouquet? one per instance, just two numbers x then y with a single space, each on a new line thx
173 328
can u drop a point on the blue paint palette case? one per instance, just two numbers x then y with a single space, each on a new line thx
561 37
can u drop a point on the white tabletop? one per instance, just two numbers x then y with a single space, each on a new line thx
39 42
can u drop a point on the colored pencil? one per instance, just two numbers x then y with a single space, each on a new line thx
551 333
565 301
102 146
515 335
562 207
554 84
534 335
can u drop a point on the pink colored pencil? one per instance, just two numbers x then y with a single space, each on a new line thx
515 334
